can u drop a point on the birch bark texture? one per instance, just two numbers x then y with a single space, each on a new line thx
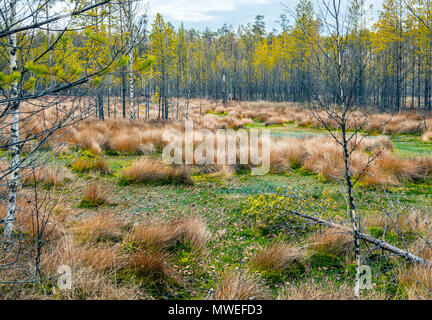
15 149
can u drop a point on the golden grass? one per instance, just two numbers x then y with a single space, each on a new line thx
417 282
149 235
119 135
190 229
94 196
279 113
102 257
427 136
413 221
50 175
186 229
152 171
94 268
278 257
332 241
326 289
237 285
99 227
87 164
153 263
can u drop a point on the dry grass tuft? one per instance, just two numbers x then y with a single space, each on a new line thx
103 258
237 285
190 229
90 284
187 229
279 257
49 176
100 227
427 136
153 235
417 282
88 164
151 171
94 197
153 263
92 270
326 289
333 242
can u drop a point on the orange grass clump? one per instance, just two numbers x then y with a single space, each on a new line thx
147 171
236 285
333 242
278 257
97 228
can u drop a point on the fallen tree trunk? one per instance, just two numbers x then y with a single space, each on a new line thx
379 243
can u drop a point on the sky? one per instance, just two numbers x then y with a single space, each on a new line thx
200 14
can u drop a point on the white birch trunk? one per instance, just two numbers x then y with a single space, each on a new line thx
130 64
131 85
15 148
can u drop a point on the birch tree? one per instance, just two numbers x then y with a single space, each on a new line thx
31 110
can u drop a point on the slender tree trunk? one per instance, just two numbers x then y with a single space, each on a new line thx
124 94
131 87
15 148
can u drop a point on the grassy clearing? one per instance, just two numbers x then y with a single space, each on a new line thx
234 241
225 246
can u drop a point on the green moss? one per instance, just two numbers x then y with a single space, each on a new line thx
91 204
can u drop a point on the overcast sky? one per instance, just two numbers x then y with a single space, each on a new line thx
200 14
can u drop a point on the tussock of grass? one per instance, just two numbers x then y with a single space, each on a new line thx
191 230
99 227
94 197
48 176
325 289
102 257
151 171
152 263
417 282
237 285
90 164
279 257
332 242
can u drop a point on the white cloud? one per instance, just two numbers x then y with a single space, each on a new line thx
214 13
199 10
